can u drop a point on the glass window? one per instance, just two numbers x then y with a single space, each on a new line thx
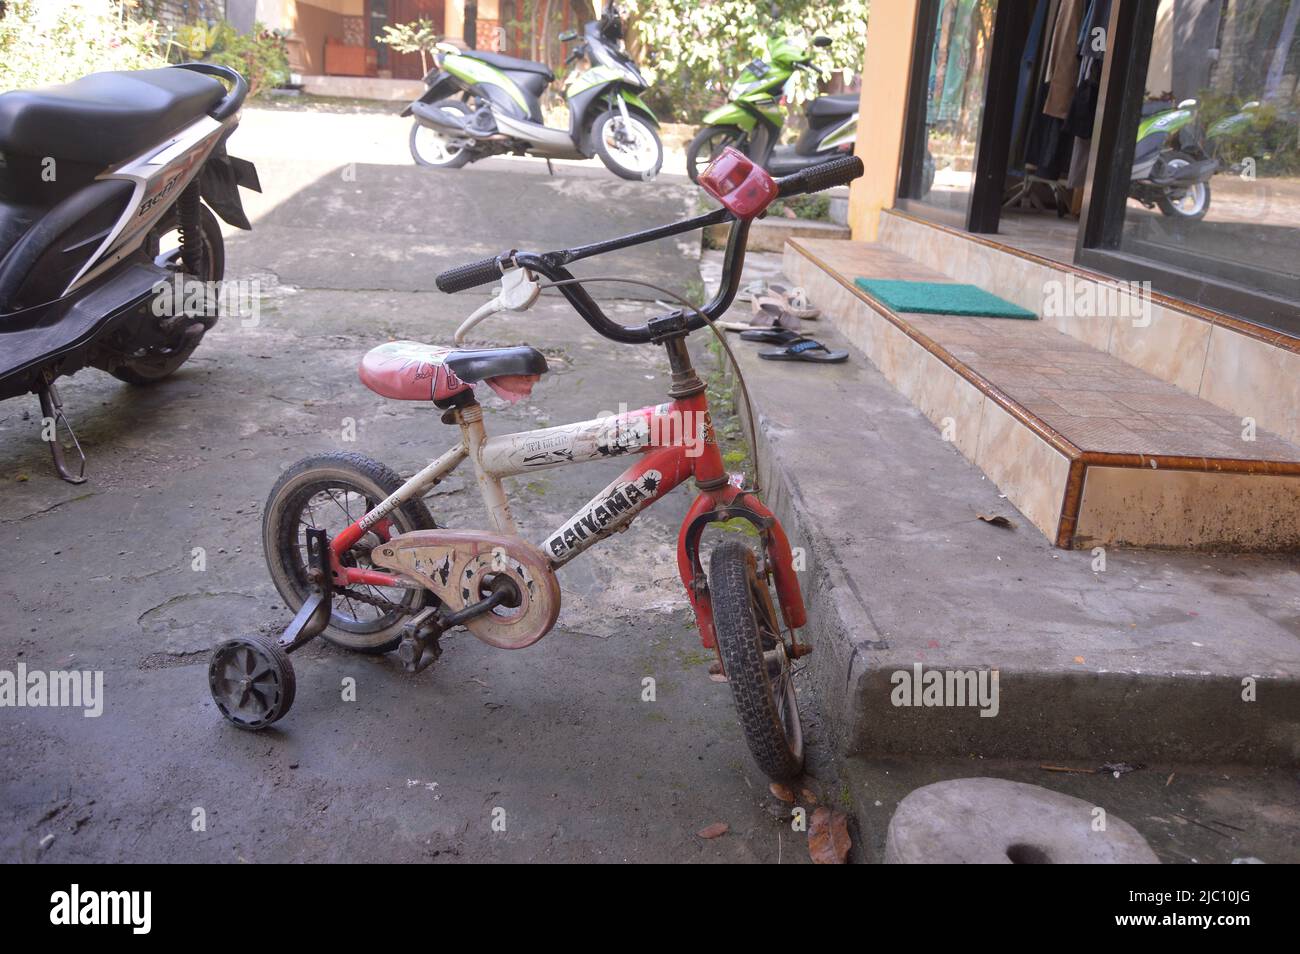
962 34
1215 184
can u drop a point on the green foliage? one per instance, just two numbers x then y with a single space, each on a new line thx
815 207
45 43
691 50
418 37
1269 137
261 56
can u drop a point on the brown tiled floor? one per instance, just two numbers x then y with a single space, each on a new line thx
1092 398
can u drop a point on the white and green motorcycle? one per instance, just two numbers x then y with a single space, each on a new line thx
480 104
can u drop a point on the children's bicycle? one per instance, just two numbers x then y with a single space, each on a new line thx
354 551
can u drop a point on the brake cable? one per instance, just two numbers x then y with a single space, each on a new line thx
722 339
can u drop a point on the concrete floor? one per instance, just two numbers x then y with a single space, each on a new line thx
101 578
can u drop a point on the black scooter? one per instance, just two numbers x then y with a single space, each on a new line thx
107 192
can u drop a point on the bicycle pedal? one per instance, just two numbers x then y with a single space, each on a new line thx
421 641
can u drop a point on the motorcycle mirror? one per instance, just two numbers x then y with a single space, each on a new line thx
568 36
822 41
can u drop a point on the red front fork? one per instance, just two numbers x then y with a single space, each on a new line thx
779 557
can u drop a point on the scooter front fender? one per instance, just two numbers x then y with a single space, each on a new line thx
730 115
638 105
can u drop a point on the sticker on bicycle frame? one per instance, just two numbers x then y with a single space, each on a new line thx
613 508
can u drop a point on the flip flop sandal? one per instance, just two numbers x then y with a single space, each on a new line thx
767 313
752 289
795 300
779 336
771 311
806 349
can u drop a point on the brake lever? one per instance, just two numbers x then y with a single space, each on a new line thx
519 289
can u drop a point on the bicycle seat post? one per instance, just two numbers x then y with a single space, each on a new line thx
671 331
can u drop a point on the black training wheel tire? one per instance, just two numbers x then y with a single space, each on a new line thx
252 681
744 620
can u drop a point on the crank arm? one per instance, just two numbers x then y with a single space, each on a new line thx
485 605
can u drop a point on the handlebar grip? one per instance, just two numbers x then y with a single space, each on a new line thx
826 175
469 276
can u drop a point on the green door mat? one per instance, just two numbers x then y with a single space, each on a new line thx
941 298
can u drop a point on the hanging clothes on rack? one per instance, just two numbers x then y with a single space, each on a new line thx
1083 107
1063 60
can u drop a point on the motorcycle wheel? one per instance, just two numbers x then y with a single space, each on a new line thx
706 145
431 148
152 365
1194 202
629 148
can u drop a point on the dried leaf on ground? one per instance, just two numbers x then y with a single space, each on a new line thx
996 520
716 830
782 792
828 837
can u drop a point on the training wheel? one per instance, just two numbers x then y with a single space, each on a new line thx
251 680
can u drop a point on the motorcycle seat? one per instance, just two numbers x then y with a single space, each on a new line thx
842 105
510 63
105 117
1156 106
411 371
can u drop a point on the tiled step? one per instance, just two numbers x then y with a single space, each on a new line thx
1091 449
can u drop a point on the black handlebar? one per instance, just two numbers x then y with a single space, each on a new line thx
233 99
551 265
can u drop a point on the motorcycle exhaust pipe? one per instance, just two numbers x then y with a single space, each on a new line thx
450 124
443 122
1189 174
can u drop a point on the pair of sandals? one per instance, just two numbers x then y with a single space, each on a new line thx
779 313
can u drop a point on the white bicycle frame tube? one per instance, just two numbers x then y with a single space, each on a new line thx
495 458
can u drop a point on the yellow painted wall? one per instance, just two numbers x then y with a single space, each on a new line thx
453 15
882 110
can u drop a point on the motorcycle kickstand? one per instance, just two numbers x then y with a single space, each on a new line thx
52 412
314 615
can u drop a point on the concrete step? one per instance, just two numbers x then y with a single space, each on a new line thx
1146 655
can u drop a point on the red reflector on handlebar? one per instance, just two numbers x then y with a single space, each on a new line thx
742 186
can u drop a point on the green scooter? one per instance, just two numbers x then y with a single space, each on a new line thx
751 120
1169 174
481 104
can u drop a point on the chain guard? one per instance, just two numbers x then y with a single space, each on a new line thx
456 565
